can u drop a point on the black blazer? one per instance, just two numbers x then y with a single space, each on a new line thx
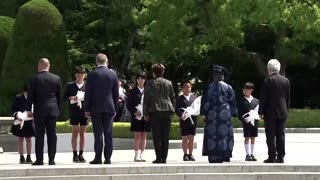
72 90
102 91
245 106
45 94
19 104
182 102
275 97
134 99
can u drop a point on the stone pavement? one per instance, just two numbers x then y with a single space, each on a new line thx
301 149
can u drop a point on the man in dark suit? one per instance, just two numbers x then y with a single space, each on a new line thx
44 93
100 103
274 108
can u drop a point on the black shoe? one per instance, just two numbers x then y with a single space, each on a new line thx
226 160
270 160
253 158
95 161
51 162
185 157
81 159
76 159
107 161
22 160
157 161
163 161
281 160
191 157
215 161
248 158
28 160
37 163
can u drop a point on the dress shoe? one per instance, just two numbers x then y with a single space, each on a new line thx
226 160
280 160
185 157
142 160
248 158
28 160
191 157
95 161
75 159
107 161
81 159
37 163
163 161
22 160
51 162
157 161
215 161
136 159
253 158
270 161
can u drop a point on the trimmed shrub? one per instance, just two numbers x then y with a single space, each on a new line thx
6 26
38 32
10 7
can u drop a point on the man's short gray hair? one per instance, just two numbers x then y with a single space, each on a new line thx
101 58
274 66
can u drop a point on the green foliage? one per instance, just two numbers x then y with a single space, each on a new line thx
38 32
6 26
10 7
120 129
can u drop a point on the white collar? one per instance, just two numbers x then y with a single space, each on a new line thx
100 65
187 97
79 85
249 98
44 70
140 89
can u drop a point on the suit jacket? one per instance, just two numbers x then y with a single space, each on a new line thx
275 97
74 110
182 102
134 99
158 96
102 91
45 94
245 106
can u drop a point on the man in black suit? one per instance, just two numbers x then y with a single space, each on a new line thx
274 108
100 103
44 93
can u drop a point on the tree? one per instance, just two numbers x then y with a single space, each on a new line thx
38 32
6 26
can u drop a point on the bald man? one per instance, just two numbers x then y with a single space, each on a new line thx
44 93
100 103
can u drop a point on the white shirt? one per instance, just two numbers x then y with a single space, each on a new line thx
102 65
249 98
80 85
141 90
187 97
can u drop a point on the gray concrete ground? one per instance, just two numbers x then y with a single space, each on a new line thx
301 149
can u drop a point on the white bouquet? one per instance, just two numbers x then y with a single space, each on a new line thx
80 97
21 117
251 116
192 110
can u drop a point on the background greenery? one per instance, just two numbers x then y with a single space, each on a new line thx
298 118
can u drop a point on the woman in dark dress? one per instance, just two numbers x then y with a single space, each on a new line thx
20 104
250 132
76 113
138 125
188 129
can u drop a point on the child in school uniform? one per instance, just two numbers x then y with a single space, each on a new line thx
246 103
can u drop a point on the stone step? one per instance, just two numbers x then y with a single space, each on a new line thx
161 169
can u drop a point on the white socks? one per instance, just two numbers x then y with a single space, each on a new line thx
252 148
246 147
136 154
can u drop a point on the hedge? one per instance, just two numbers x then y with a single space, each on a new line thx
6 26
298 118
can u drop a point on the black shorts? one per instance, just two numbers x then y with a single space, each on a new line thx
249 130
81 121
187 128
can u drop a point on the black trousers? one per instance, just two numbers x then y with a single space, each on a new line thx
102 126
160 127
274 129
45 124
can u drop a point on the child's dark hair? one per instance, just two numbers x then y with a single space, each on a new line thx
79 70
141 75
248 85
184 82
25 88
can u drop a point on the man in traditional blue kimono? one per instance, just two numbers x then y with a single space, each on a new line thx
218 105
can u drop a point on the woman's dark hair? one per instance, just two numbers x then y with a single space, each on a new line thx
25 88
141 75
248 85
158 69
79 70
184 82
